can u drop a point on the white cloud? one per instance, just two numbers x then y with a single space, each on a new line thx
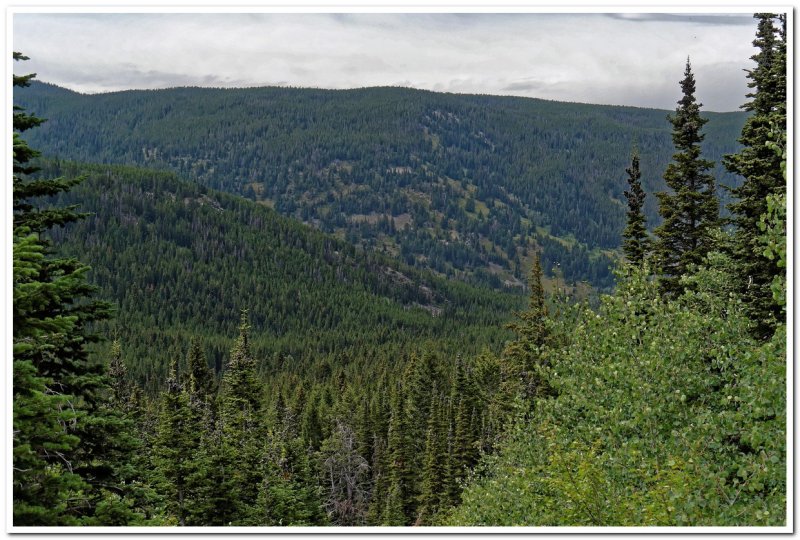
626 59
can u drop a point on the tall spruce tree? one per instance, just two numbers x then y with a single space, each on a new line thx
212 478
289 492
464 451
28 190
433 482
43 484
200 377
174 447
136 466
70 443
118 375
691 211
401 473
242 427
635 243
525 352
761 168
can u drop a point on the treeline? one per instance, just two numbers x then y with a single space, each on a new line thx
470 186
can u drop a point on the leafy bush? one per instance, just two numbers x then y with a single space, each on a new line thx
666 413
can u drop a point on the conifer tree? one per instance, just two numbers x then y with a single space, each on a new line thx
201 377
401 474
242 430
70 444
525 352
174 447
451 493
289 492
365 435
380 482
310 421
126 400
463 444
464 451
691 211
118 375
761 169
394 512
42 486
433 482
241 391
43 483
28 212
213 478
635 242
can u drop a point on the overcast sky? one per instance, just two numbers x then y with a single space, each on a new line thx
622 59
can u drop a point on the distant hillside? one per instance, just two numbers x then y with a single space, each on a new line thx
180 260
465 185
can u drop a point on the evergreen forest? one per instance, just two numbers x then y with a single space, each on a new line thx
467 186
276 307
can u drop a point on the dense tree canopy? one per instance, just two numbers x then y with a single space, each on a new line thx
181 261
465 185
264 372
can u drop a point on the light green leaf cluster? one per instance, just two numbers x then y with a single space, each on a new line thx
666 413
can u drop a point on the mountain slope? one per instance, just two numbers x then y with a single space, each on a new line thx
465 185
180 260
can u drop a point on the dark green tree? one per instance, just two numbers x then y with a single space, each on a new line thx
212 478
43 485
401 473
228 464
690 211
174 447
76 476
27 189
200 377
463 448
127 401
289 492
635 241
242 428
761 168
118 375
434 492
524 354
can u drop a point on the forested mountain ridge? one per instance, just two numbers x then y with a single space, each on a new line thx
466 185
180 260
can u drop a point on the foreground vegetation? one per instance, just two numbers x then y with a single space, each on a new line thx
663 413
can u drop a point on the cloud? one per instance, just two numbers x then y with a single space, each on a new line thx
525 86
596 58
694 18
